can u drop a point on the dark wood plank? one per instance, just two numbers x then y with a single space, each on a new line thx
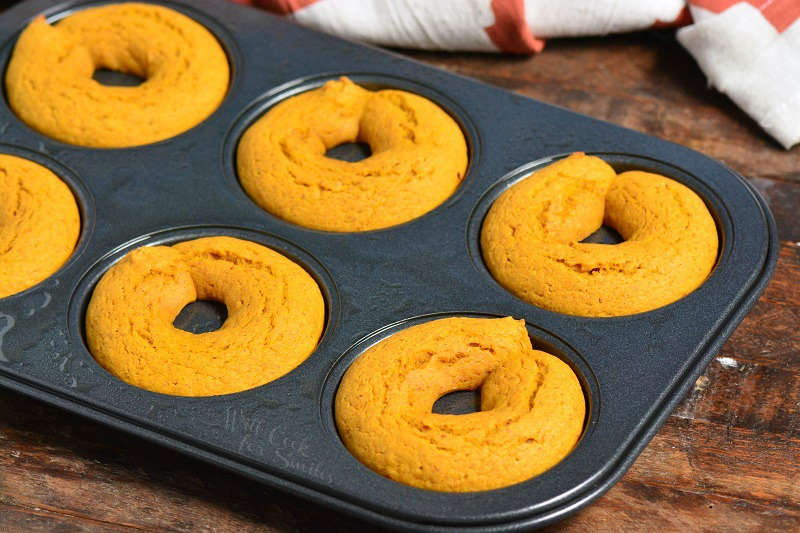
16 519
635 507
727 459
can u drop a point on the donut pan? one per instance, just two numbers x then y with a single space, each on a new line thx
634 369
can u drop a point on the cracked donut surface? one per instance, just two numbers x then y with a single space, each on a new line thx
418 159
531 417
275 317
39 224
50 87
531 237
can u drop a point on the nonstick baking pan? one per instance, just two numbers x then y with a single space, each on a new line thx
634 369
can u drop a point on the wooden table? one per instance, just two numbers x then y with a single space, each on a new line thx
729 456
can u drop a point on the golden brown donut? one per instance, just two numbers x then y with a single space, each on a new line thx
50 87
531 239
275 317
39 224
531 417
418 159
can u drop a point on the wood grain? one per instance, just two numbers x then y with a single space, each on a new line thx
727 459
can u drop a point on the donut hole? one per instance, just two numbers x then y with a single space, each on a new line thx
462 402
120 68
604 235
115 78
201 316
351 152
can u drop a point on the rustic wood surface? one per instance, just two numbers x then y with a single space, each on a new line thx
728 458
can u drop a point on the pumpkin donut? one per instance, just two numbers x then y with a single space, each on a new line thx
275 317
531 239
418 159
39 224
531 417
50 87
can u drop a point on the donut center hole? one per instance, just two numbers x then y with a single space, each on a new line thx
350 152
604 235
115 78
201 316
460 402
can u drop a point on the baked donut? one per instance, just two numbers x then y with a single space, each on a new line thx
39 224
49 77
531 239
531 417
418 159
275 317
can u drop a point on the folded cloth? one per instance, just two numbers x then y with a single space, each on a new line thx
748 49
751 52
